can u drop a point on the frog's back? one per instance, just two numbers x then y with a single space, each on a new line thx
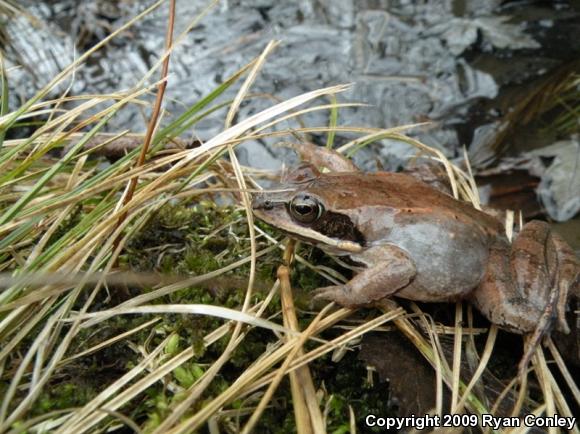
399 194
448 239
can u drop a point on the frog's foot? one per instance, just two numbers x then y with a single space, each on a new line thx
430 172
565 281
321 156
543 328
395 272
526 285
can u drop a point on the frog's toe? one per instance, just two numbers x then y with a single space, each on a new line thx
330 293
340 294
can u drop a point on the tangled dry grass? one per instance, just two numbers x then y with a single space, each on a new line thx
67 223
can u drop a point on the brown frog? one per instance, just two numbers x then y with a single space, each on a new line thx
419 243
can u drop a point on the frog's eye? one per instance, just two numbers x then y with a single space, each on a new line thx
305 208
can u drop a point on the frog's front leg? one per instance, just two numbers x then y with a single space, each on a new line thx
526 284
394 271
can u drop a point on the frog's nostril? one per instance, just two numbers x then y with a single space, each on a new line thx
261 203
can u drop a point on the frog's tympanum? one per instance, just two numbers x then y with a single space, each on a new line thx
417 242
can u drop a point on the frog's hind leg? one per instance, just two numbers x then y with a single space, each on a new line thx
568 278
526 285
547 270
499 298
562 270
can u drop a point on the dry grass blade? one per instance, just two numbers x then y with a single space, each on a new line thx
201 309
564 371
240 128
457 352
481 367
281 119
192 281
7 7
108 342
243 92
555 404
239 175
39 279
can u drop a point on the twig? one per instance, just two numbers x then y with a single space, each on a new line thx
306 410
154 116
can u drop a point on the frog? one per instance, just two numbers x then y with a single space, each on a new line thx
410 239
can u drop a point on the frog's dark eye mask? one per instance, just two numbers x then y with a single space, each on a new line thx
305 217
305 208
308 210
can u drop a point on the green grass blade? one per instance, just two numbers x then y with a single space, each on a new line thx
14 209
177 126
332 123
3 97
18 234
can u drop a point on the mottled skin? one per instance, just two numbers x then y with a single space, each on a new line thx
417 242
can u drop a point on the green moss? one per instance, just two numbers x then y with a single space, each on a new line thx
153 410
346 382
70 393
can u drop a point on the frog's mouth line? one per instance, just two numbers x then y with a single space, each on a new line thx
308 235
339 227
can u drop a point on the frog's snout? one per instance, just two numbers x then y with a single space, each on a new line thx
261 202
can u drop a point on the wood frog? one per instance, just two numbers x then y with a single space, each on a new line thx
414 241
